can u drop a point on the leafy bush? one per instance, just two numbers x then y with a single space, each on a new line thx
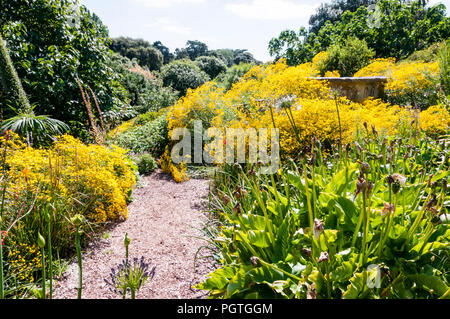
233 75
211 65
182 75
146 164
69 178
50 43
138 49
145 92
347 57
149 138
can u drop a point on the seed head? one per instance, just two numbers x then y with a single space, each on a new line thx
323 257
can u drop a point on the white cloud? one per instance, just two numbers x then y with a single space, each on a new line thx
167 3
272 9
167 24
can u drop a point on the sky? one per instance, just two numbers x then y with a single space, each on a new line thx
234 24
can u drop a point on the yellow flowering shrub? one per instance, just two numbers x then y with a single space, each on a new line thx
23 260
409 83
90 178
378 67
167 166
247 104
409 76
435 120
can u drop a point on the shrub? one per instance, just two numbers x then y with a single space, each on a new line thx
182 75
50 43
143 51
211 65
67 179
347 57
233 75
146 164
413 84
145 92
151 137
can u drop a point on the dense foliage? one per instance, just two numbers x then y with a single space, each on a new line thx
369 221
138 49
211 65
393 28
145 91
347 58
48 59
182 75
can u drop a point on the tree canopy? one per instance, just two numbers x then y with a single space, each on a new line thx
393 28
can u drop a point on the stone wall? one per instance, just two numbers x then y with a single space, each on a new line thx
358 89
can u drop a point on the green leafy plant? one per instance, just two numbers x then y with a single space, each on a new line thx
77 220
146 164
367 220
182 75
347 57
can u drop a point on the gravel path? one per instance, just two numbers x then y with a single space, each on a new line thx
161 222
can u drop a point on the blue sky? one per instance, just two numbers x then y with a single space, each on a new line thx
235 24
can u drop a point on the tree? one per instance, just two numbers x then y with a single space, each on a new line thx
333 12
393 28
138 49
196 49
168 57
50 43
244 57
211 65
182 75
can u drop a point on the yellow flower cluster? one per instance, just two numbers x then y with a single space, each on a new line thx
435 120
409 83
250 101
412 76
91 179
378 67
24 260
178 173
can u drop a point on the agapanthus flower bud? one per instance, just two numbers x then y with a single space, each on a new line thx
432 202
361 185
40 241
365 167
374 131
399 178
396 187
389 179
126 240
